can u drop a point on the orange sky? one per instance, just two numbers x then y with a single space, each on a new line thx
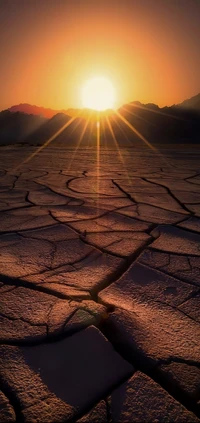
148 48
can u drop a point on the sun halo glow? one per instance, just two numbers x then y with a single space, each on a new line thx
98 93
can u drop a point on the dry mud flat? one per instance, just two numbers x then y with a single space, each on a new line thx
100 285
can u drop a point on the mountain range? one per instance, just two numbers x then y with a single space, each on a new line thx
33 125
192 104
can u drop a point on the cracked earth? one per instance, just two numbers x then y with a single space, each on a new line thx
100 285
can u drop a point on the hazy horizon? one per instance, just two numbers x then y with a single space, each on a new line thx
82 108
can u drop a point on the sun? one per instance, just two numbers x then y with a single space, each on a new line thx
98 93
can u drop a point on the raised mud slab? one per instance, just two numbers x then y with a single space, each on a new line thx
99 285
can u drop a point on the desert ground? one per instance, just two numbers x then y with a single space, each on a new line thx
100 284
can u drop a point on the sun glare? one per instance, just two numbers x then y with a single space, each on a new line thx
98 93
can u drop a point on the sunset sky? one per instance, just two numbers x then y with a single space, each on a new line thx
149 49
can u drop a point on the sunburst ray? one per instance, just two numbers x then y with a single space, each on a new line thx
52 138
98 135
121 129
136 132
158 112
137 116
117 146
79 142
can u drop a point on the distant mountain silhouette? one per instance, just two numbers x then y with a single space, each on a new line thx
50 127
16 127
176 124
35 110
167 124
192 103
49 113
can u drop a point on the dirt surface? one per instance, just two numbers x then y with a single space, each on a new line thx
99 284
